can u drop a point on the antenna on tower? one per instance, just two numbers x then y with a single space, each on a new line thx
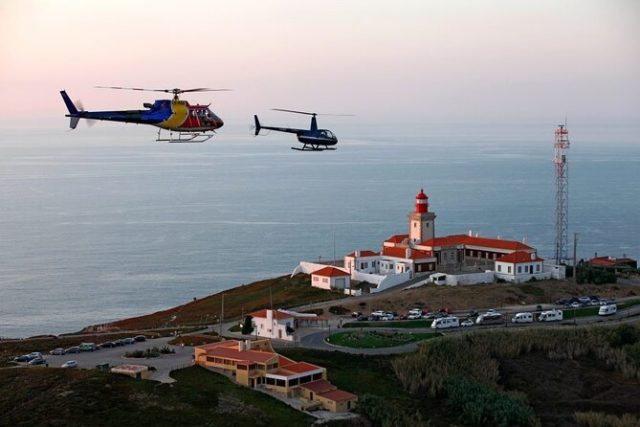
562 192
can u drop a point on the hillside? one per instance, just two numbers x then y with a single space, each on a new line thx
284 292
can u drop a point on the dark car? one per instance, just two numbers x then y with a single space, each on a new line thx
37 361
57 351
362 318
129 341
74 349
473 313
22 359
107 344
140 338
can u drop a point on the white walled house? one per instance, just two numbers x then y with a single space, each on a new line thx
282 324
363 261
331 278
519 267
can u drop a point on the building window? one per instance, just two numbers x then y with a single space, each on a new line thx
519 269
538 267
499 268
325 280
415 225
509 269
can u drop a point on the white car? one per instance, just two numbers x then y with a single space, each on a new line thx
69 364
467 323
414 316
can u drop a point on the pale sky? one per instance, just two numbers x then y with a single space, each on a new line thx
400 61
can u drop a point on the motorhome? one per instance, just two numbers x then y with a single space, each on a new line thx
445 322
489 318
438 278
550 316
607 310
522 318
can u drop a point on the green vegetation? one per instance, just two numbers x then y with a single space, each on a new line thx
282 291
377 339
532 290
481 405
570 313
247 326
149 352
597 419
68 397
597 276
405 324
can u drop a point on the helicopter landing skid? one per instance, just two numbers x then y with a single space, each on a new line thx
312 148
185 138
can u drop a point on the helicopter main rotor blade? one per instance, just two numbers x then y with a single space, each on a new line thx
175 91
312 114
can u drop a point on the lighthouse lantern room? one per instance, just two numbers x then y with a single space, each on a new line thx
421 221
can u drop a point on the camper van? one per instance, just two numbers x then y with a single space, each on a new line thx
445 322
522 318
491 318
550 316
438 278
607 310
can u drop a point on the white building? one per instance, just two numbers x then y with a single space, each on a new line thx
282 324
364 261
519 267
331 278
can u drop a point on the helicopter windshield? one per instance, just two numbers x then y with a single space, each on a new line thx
327 134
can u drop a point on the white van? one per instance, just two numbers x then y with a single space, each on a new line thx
445 322
607 310
522 318
550 316
438 278
489 318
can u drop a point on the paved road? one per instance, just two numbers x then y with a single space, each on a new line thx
115 356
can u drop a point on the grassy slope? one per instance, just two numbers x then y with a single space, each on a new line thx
33 397
285 292
373 339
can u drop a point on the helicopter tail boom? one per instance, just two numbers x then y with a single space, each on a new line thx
257 123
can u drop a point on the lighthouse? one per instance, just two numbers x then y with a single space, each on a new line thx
421 221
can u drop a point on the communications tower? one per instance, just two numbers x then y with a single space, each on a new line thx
562 194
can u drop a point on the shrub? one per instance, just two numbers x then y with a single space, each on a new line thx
481 405
247 326
386 413
597 419
338 309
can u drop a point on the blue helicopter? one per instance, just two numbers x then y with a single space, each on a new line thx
313 139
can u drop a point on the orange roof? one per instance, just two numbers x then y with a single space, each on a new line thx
402 253
330 272
605 261
338 395
519 257
229 350
283 362
397 238
301 367
320 386
364 253
277 314
463 239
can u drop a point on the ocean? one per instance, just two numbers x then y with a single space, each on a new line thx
104 223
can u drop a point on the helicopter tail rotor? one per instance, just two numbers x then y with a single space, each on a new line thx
257 123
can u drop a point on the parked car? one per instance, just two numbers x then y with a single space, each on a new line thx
584 300
107 344
87 346
34 355
74 349
525 317
413 316
489 318
57 351
69 364
22 359
117 343
362 318
473 313
576 304
608 310
355 314
37 361
445 322
467 323
129 340
429 316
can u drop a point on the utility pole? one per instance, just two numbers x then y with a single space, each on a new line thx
575 262
221 316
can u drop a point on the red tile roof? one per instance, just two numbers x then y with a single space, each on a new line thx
402 253
519 257
320 386
278 315
605 261
463 239
283 362
231 352
338 395
364 253
301 367
397 238
330 272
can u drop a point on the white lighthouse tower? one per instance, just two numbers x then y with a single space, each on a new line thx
421 222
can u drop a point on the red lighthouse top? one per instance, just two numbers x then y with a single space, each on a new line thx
422 202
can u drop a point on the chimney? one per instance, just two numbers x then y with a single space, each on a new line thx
357 254
407 253
240 345
470 233
248 344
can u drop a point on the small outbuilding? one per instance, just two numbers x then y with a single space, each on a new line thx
331 278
